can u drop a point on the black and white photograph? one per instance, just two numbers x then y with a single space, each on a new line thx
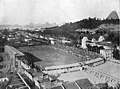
59 44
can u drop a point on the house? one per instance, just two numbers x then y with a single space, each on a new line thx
101 38
106 53
40 79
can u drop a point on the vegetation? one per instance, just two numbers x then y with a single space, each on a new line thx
114 37
69 29
89 23
116 54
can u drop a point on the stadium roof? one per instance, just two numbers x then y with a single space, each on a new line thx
62 66
31 58
15 51
94 60
71 85
104 43
57 87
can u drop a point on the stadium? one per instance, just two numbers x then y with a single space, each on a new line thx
58 56
63 60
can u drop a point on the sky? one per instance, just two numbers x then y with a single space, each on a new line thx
54 11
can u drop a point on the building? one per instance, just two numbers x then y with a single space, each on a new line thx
101 38
15 56
107 53
41 79
78 84
84 40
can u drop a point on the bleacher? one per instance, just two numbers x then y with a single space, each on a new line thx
80 51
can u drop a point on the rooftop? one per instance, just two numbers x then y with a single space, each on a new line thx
104 43
15 51
31 58
71 85
35 73
84 83
57 87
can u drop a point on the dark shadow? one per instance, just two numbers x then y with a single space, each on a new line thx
1 59
31 58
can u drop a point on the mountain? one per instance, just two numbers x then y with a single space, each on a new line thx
10 26
45 25
113 15
29 26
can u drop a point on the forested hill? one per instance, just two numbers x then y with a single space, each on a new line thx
89 23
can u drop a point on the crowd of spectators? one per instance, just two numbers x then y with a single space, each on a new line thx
32 48
94 48
78 51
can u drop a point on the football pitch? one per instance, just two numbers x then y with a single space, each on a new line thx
54 57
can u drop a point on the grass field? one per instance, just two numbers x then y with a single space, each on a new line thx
53 57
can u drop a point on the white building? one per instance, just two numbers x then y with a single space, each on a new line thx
101 38
52 42
84 42
93 40
106 53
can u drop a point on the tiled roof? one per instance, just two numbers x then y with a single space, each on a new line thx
84 83
17 52
71 85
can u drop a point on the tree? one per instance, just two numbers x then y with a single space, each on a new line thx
116 53
3 41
